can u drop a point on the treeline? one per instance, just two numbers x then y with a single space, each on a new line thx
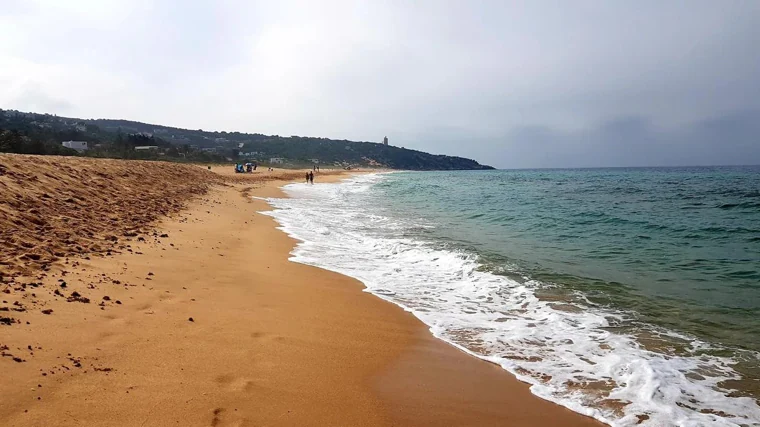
26 133
14 141
327 151
43 133
299 150
122 147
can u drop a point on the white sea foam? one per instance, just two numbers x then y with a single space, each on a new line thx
570 355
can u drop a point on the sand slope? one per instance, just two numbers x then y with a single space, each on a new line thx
51 207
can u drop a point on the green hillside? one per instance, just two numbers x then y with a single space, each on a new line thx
34 133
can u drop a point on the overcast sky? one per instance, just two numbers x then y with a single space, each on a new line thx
512 84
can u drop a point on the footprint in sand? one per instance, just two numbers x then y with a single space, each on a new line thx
166 297
222 417
224 379
105 336
263 336
235 384
117 321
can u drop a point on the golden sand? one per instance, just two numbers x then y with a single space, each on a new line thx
200 320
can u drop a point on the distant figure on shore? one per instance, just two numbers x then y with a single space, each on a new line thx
311 177
317 168
307 177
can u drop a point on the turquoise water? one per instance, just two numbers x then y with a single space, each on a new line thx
629 295
678 247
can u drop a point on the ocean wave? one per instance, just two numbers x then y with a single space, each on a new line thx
587 358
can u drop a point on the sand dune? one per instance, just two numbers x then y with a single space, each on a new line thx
53 207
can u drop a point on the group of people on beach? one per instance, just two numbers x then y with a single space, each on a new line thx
310 174
245 168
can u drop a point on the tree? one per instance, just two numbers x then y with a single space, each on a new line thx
11 141
35 146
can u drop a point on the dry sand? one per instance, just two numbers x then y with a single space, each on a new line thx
201 320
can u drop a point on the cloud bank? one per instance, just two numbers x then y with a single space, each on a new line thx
513 84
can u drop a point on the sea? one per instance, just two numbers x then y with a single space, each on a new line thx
631 295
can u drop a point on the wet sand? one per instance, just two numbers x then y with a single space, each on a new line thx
200 319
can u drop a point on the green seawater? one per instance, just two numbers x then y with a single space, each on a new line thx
629 295
676 248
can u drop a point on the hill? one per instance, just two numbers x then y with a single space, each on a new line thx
33 133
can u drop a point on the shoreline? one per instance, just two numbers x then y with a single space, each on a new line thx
214 325
435 382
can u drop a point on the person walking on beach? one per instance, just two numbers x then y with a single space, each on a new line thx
307 177
311 177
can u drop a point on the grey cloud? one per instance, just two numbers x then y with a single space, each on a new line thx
731 139
31 98
518 84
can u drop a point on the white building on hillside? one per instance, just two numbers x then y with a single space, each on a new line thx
76 145
275 160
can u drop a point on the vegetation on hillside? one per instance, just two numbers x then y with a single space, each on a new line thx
33 133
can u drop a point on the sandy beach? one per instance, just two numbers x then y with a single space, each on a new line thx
155 294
